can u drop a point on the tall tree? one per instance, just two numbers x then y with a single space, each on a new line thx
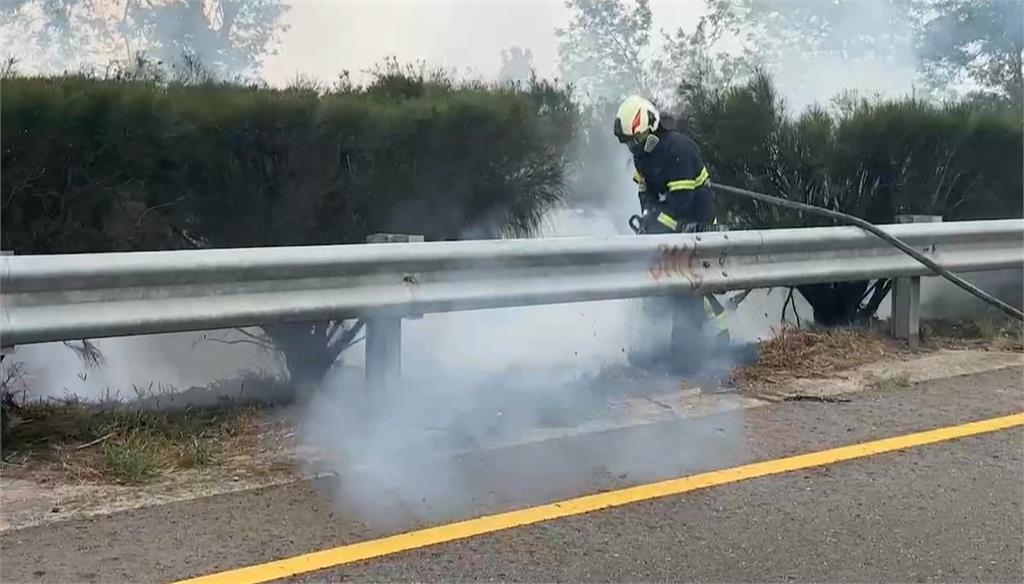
516 65
230 37
691 62
605 50
772 30
811 47
979 41
948 45
54 35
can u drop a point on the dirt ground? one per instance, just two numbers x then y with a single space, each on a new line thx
47 485
67 481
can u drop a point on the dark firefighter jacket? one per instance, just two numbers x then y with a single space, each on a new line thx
674 183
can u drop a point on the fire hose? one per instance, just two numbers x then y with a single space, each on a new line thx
635 223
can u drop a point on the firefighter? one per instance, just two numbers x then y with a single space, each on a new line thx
673 183
675 197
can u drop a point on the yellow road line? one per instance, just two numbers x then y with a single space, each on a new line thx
347 554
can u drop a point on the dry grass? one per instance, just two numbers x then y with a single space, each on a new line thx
801 353
118 445
892 380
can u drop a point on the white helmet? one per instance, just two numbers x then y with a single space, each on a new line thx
636 123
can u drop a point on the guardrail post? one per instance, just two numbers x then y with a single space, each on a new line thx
384 334
905 320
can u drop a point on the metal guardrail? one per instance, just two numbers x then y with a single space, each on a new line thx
61 297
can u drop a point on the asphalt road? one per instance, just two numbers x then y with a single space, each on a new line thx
945 512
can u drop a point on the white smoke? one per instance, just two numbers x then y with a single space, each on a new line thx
142 366
493 379
805 80
942 299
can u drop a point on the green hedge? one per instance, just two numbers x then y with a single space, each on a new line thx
871 159
99 165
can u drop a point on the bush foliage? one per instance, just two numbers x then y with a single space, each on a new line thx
137 162
110 164
871 159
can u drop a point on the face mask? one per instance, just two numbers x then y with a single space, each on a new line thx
643 145
651 143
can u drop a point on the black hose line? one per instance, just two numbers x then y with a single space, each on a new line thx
874 230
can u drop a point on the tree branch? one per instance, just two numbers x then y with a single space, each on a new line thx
250 339
790 300
88 353
258 338
147 210
197 244
235 342
879 290
229 12
346 339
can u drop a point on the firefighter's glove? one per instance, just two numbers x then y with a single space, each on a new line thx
648 202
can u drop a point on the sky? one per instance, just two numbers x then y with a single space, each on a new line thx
328 36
